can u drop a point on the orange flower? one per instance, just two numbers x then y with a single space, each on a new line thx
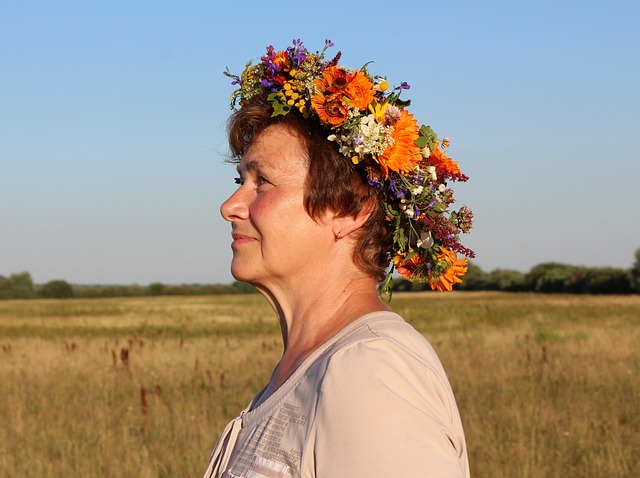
339 91
282 60
403 155
334 80
330 109
408 268
360 90
457 267
440 160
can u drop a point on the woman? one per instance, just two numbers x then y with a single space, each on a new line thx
335 178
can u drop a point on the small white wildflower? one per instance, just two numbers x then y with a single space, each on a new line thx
381 84
332 137
432 171
426 152
367 136
418 190
409 212
441 188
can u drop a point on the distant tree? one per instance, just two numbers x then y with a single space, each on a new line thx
607 280
399 284
57 289
506 280
5 288
551 277
217 289
157 288
635 272
474 279
244 288
21 286
178 290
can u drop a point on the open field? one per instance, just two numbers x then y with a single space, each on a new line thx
547 385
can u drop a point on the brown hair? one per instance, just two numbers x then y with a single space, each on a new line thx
333 183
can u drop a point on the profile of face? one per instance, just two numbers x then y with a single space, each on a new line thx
274 238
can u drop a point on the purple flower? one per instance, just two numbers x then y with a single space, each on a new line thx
374 183
397 192
328 43
273 68
297 52
357 140
333 62
403 86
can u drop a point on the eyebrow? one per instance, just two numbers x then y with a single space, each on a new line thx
249 166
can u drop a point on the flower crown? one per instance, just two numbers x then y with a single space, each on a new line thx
371 126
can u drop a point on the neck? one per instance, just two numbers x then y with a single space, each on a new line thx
310 315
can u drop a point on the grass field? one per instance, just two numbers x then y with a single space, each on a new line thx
547 385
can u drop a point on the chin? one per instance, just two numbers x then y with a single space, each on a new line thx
243 272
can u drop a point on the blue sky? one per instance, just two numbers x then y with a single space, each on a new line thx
112 125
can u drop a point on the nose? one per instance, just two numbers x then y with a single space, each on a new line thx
236 207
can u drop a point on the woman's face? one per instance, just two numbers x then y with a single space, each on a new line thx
274 239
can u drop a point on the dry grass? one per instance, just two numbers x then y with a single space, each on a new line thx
547 385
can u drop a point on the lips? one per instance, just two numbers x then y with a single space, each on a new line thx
239 239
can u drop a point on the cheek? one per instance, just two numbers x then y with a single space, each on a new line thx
272 210
261 208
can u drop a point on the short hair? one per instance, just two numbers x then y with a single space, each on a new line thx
333 183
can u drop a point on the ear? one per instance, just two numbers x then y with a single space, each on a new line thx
343 226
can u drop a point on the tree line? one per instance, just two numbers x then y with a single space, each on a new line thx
549 277
21 286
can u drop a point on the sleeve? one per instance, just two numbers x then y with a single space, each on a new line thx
383 412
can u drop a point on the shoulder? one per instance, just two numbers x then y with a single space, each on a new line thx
383 351
384 338
383 392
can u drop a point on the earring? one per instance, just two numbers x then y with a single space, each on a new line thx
338 236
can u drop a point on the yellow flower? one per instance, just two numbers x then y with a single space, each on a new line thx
377 110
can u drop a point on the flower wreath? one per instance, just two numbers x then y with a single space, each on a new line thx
371 126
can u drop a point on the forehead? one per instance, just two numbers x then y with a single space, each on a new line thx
276 148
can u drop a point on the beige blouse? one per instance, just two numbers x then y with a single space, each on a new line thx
374 401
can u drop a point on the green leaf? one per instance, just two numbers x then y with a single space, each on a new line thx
400 238
439 207
430 136
421 142
280 108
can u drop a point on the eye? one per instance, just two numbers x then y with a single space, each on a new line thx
262 180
